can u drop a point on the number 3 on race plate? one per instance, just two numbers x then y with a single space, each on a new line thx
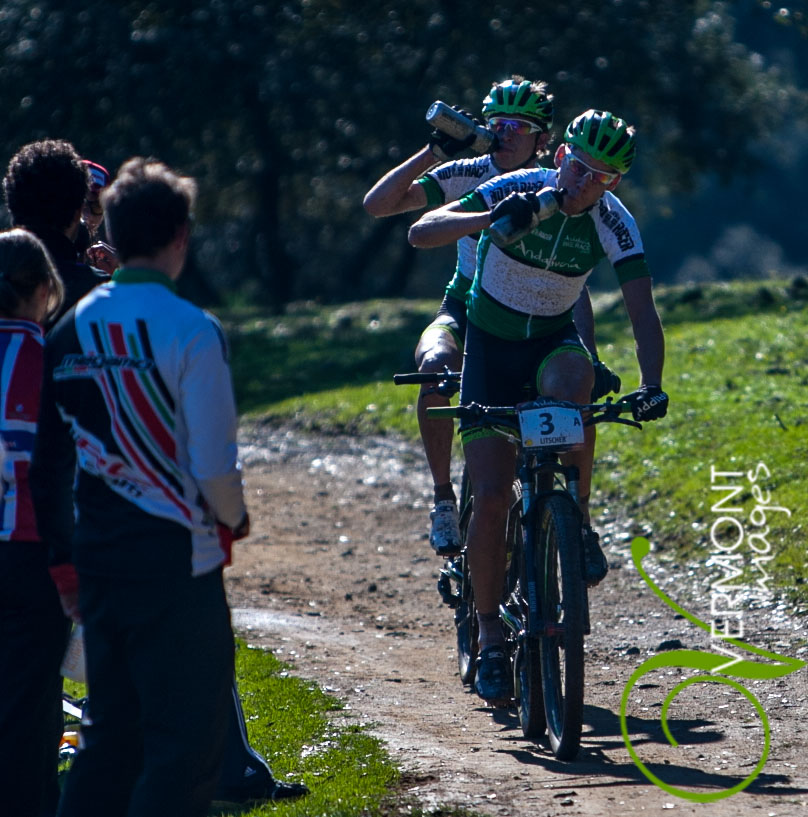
551 426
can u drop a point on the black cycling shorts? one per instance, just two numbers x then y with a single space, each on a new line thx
498 372
451 317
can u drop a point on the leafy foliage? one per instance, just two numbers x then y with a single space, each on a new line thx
287 112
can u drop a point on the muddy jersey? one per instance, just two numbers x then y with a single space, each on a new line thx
449 182
528 288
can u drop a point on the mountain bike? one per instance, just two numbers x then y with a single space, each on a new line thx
545 606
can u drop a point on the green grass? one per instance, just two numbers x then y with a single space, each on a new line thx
736 371
290 722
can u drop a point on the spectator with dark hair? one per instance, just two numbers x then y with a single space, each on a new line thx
45 187
33 628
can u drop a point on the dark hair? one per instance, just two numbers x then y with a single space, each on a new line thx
145 207
24 265
45 185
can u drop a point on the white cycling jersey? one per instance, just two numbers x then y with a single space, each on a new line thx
450 182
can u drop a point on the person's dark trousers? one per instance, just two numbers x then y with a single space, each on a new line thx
242 764
159 667
33 637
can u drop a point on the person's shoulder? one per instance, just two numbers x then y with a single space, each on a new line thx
191 318
610 203
524 179
29 330
473 166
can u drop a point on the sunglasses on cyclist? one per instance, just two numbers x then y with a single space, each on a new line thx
500 124
580 168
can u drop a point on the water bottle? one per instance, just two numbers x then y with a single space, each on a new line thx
503 232
447 120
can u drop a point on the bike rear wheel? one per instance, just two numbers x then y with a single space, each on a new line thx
562 605
466 624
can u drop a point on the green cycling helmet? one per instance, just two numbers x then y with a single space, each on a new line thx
603 136
514 98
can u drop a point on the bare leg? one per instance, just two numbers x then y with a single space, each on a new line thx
491 462
436 349
569 376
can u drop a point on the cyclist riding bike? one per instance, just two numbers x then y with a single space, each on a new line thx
520 329
521 114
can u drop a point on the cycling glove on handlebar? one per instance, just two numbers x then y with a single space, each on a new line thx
648 403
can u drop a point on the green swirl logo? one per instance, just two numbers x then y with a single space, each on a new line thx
708 662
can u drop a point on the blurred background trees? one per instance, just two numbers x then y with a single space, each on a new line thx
287 112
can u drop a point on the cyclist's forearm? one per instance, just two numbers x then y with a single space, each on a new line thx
648 337
395 193
445 226
649 343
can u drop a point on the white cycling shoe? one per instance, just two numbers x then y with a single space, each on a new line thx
445 534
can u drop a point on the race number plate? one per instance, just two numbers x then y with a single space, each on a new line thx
551 426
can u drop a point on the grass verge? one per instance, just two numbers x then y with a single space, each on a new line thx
292 723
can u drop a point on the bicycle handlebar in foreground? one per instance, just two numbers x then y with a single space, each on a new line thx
606 412
425 377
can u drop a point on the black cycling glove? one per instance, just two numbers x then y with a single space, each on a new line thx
446 147
519 206
605 381
648 403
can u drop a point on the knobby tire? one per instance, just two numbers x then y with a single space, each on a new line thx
562 603
527 658
466 624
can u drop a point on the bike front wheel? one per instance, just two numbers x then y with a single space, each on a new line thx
562 605
527 682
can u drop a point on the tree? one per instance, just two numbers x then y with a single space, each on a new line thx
287 112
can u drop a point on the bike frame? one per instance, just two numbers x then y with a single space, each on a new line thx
533 468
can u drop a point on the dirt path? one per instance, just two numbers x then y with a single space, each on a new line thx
339 580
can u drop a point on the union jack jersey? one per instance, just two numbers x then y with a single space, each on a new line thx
21 351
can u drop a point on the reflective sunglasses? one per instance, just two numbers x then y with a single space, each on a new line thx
580 168
500 124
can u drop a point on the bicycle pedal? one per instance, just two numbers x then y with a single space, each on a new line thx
450 598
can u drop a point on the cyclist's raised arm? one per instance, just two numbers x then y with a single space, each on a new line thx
648 337
446 225
397 191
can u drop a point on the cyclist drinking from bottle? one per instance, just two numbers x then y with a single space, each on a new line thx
520 329
521 114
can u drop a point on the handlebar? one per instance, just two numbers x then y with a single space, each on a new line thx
607 412
447 382
426 377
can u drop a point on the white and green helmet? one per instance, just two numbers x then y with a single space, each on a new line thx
603 136
520 98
